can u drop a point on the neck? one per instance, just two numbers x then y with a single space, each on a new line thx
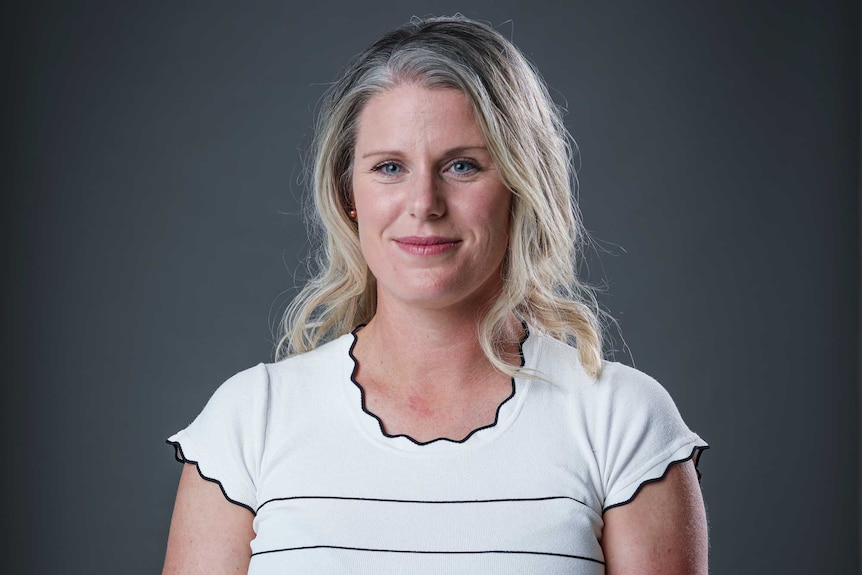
421 349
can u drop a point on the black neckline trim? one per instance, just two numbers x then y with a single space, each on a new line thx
469 435
694 456
180 456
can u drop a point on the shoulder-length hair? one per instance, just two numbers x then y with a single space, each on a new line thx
533 153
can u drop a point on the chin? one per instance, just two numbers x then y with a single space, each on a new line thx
441 297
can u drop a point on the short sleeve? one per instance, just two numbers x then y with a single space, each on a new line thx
643 434
226 440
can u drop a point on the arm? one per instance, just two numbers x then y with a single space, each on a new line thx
209 534
661 531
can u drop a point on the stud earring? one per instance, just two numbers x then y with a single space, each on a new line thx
352 214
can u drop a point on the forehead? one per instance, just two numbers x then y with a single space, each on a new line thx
411 115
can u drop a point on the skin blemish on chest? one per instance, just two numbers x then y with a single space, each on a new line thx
420 407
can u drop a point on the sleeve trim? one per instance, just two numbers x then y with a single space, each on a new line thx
183 459
694 456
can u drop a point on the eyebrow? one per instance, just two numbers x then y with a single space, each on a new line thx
450 152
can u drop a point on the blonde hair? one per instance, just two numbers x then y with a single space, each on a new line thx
532 151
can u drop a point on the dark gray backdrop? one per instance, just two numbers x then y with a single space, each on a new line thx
150 205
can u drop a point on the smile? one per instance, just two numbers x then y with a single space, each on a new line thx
426 245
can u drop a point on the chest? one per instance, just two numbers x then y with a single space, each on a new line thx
426 414
335 498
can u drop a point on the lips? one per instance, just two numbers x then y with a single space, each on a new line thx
426 245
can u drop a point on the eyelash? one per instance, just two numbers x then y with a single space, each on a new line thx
382 165
473 167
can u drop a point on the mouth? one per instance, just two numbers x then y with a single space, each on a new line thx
426 245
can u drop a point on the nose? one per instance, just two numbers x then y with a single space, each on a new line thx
426 200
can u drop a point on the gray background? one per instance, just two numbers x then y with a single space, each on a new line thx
150 215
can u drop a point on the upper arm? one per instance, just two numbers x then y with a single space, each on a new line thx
209 534
661 531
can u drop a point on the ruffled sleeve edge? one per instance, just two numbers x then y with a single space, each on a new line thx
690 451
174 441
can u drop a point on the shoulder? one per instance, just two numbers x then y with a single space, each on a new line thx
243 385
621 400
250 391
624 386
559 363
237 400
632 425
262 379
317 365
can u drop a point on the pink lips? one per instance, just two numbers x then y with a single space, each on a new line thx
426 245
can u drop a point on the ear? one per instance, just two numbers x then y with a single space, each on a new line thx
345 188
348 204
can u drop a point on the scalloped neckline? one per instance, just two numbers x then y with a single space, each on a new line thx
439 440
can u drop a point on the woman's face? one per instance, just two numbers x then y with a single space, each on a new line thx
432 211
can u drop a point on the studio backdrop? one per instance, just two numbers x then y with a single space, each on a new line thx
152 210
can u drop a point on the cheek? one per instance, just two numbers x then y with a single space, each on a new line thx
372 202
366 237
498 221
371 225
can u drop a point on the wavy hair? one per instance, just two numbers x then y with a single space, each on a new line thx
533 153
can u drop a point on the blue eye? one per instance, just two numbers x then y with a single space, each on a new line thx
462 167
388 168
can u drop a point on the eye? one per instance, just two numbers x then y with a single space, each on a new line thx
463 167
388 168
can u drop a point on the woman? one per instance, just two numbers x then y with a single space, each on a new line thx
430 415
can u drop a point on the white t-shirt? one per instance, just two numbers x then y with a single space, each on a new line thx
332 493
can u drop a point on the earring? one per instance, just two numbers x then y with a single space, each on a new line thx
352 214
